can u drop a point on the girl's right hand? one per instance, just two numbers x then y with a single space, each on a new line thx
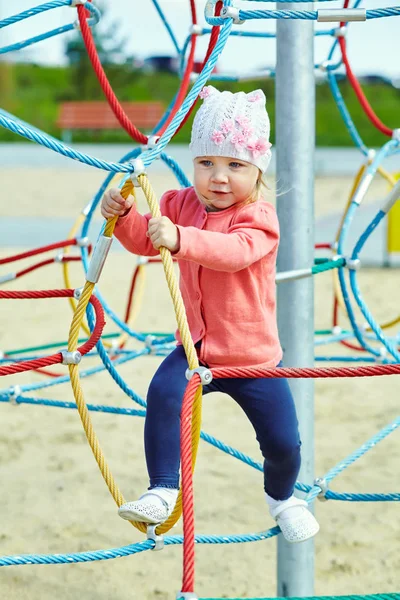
113 204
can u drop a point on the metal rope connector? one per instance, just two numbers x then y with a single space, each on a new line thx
382 355
327 15
340 32
205 374
353 264
138 169
157 539
71 358
16 392
148 342
98 259
187 596
396 135
8 277
325 65
78 293
323 486
83 242
196 29
77 3
233 13
59 257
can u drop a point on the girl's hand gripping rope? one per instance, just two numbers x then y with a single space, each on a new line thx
163 232
113 204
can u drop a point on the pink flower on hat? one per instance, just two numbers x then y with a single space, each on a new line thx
238 140
217 137
227 126
247 130
205 92
255 97
258 147
242 120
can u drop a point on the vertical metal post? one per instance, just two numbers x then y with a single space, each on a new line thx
295 142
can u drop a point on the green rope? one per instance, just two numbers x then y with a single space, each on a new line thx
328 265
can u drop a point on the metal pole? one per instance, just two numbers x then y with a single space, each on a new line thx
295 142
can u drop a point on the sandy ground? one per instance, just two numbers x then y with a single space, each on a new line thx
55 501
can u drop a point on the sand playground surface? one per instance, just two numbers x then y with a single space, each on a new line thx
55 501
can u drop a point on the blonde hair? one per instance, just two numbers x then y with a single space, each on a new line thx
256 193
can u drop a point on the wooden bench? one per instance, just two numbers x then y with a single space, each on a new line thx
98 115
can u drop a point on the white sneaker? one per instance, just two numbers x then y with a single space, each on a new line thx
297 525
155 506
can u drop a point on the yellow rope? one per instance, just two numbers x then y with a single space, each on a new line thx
336 283
137 299
186 341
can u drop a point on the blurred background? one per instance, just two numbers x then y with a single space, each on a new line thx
142 64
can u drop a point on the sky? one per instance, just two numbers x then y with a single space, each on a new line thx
373 46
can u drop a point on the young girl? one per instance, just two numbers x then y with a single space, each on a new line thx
225 238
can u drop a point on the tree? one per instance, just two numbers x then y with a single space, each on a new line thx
110 48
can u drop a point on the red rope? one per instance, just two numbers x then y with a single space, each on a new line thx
187 485
211 45
108 91
306 373
186 78
53 359
41 250
43 263
357 88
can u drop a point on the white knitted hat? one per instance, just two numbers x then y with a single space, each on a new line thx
233 125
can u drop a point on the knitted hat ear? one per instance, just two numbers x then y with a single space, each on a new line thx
208 91
256 96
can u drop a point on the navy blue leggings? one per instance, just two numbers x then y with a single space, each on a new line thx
268 404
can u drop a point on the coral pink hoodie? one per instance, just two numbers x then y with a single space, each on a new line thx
227 266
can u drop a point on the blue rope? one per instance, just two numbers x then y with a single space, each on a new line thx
44 36
305 15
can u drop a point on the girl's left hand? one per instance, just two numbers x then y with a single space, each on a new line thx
163 232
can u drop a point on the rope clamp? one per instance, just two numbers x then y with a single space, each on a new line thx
325 65
233 12
59 257
16 392
98 259
152 141
138 169
77 3
8 277
157 539
353 264
340 32
196 29
148 342
186 596
323 486
83 242
327 15
204 373
78 293
142 260
382 355
71 358
396 135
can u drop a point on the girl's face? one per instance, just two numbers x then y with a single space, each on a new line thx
221 181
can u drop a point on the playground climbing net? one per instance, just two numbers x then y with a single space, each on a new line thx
370 342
